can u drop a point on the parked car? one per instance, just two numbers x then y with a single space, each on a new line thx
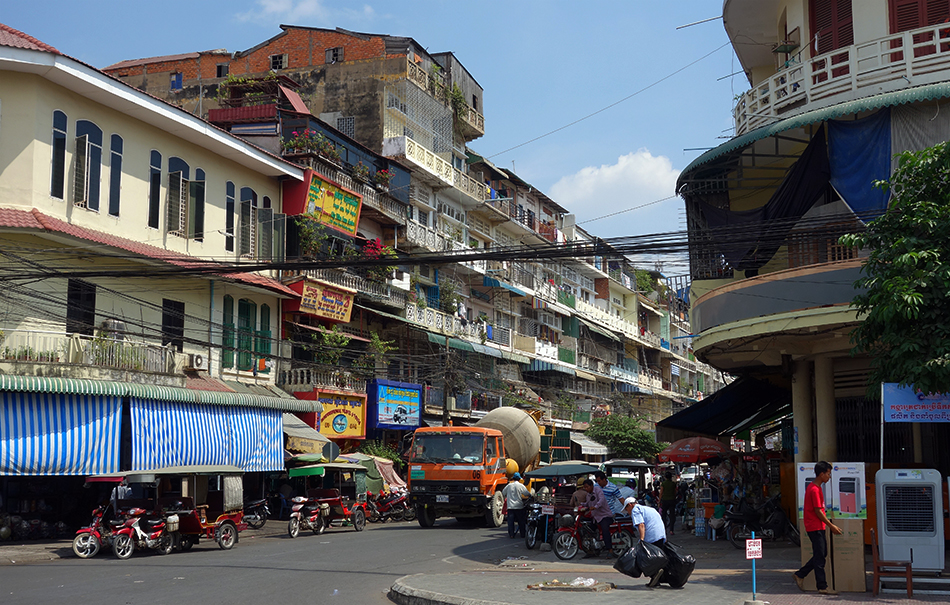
690 474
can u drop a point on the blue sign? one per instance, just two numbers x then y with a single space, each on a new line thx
397 404
904 404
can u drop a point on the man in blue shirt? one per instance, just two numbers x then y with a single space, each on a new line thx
651 527
627 491
612 494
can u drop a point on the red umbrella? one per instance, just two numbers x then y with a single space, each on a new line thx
694 449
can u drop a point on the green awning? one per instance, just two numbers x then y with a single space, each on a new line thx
306 471
908 95
461 345
435 338
382 313
491 351
599 330
43 384
491 282
515 357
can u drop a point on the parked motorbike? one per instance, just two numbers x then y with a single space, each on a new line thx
140 530
393 505
256 513
91 538
307 513
579 532
768 521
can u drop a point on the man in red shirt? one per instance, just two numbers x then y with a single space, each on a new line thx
815 521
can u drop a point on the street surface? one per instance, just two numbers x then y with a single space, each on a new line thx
340 566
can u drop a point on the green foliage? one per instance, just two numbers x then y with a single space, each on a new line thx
623 436
906 277
378 448
329 345
312 234
457 98
449 296
376 350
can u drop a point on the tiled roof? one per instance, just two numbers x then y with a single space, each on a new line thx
204 383
150 60
34 219
17 39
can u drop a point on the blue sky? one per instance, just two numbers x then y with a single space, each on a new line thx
543 65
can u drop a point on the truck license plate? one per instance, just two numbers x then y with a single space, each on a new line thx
441 498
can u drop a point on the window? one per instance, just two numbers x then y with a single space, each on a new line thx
173 323
229 217
196 206
154 189
422 217
278 62
475 102
262 341
80 307
831 25
87 165
227 333
176 206
247 316
175 81
115 175
334 55
247 243
347 126
906 15
58 163
222 70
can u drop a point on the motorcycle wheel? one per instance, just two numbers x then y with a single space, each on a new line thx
737 535
359 519
531 536
373 515
320 526
227 535
123 546
621 541
425 515
398 514
565 545
792 534
187 542
86 545
165 544
256 521
409 514
293 527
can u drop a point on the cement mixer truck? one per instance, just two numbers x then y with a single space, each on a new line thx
459 471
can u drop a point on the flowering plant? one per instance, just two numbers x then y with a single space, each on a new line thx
382 177
376 250
361 171
310 141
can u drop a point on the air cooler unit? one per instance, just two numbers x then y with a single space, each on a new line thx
910 517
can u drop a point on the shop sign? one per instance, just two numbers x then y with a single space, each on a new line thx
326 302
398 406
333 206
905 404
342 416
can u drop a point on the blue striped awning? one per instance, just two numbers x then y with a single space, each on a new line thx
59 434
168 433
544 366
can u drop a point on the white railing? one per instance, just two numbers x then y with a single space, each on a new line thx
371 197
445 172
425 237
628 329
308 378
104 351
444 323
624 375
898 61
377 290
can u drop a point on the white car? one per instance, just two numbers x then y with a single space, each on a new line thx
690 474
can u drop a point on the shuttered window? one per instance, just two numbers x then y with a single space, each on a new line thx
196 206
177 206
115 175
88 165
227 333
906 15
247 322
154 189
229 217
832 28
58 162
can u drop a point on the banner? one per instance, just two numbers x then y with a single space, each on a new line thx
333 206
904 404
323 301
343 415
397 404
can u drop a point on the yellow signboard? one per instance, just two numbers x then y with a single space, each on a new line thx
333 206
324 301
343 415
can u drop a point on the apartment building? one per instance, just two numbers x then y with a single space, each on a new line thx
837 89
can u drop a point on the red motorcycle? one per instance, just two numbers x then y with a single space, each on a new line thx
90 539
579 532
307 513
393 505
143 531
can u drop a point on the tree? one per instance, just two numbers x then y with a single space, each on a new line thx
623 436
905 287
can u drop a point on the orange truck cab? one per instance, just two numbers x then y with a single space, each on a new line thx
457 472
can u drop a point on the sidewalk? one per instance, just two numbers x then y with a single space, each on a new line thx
722 576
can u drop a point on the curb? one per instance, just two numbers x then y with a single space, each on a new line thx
403 594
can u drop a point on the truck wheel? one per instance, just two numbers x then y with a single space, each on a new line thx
493 514
425 515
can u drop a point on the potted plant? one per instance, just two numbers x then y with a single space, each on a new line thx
361 172
382 178
376 250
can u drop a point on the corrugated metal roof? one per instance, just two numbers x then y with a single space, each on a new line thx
900 97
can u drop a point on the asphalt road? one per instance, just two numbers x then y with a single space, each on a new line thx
340 566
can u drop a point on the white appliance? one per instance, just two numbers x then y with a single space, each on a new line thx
910 517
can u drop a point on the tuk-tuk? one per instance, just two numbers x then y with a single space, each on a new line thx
620 470
340 486
198 501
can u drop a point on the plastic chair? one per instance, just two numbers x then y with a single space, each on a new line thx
881 571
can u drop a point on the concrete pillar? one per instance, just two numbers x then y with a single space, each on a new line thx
825 414
918 443
802 411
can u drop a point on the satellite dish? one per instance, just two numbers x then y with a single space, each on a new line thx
331 451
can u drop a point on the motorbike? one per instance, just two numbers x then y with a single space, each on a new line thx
140 530
768 521
579 532
94 536
307 513
393 505
256 513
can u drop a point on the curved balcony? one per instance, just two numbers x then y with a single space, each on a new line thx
904 60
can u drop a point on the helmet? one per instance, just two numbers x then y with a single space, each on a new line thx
566 520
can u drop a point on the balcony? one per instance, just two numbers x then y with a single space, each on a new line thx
895 62
443 323
414 235
617 324
470 122
433 170
249 113
308 379
377 291
624 375
384 205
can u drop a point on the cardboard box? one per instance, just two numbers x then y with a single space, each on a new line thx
847 556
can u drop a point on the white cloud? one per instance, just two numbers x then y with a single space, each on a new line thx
635 180
298 12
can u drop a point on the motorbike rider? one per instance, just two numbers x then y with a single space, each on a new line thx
628 490
600 509
650 526
580 496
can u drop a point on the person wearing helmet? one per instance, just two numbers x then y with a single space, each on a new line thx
516 495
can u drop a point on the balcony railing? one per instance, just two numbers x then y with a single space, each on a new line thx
105 352
308 378
371 197
910 58
444 171
617 324
381 292
423 237
444 323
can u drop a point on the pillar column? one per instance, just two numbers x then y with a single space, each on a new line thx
918 443
802 411
825 413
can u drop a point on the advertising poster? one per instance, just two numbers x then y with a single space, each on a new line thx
805 472
323 301
847 490
904 404
343 415
398 404
333 206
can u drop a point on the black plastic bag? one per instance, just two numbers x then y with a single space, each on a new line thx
650 558
679 567
627 563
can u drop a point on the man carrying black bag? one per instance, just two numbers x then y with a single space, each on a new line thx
652 530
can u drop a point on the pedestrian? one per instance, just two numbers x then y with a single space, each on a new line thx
668 501
580 496
600 509
628 490
815 522
516 495
649 525
612 493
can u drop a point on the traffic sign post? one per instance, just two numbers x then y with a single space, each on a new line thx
753 550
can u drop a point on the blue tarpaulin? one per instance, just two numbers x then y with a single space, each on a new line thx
859 152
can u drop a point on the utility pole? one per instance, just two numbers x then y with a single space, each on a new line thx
446 419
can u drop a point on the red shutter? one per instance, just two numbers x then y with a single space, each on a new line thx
912 14
831 22
907 15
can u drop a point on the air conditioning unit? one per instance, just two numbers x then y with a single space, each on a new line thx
910 517
196 362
